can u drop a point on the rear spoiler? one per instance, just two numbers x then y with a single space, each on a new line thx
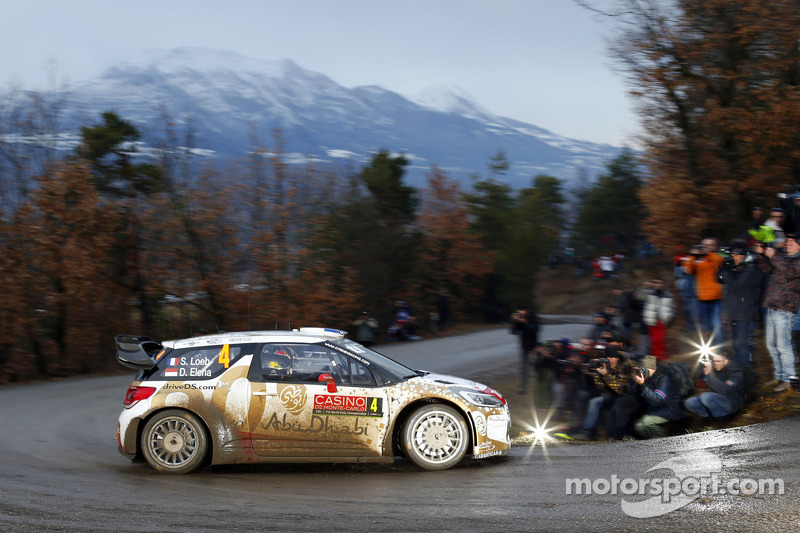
137 352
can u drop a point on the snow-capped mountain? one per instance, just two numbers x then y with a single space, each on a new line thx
226 96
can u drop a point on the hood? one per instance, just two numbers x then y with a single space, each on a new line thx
443 379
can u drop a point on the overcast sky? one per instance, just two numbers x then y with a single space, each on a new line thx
540 61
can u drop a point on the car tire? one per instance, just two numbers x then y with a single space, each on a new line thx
435 437
174 442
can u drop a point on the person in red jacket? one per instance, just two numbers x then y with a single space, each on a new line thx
659 308
704 263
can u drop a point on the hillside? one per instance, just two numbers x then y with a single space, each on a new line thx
561 292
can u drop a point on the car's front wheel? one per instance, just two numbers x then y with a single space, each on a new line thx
174 442
435 437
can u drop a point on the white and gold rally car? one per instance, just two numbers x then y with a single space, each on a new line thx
308 395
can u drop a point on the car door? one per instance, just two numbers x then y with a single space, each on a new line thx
293 414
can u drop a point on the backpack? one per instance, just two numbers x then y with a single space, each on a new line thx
681 376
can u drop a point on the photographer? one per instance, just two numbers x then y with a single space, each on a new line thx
525 324
611 376
687 292
631 312
726 381
547 360
659 396
773 233
781 300
603 328
366 329
572 388
790 202
756 226
742 279
704 263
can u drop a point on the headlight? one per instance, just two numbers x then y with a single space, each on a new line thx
482 399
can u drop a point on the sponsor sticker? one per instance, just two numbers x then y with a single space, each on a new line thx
485 447
319 424
330 404
480 422
185 386
352 354
497 427
488 454
294 398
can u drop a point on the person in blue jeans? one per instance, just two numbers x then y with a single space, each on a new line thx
703 263
726 381
781 299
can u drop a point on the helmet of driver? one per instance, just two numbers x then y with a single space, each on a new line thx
278 359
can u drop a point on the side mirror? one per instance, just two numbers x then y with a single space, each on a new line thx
327 378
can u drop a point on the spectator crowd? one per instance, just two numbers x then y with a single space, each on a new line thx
621 377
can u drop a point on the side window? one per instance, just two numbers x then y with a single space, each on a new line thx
299 362
312 360
306 362
340 370
200 363
360 374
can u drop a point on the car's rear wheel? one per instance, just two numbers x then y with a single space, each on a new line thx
174 442
435 437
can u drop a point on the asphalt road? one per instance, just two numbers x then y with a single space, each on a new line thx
60 471
473 354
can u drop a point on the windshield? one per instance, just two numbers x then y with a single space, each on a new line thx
390 371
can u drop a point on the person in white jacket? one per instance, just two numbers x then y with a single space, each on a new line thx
659 308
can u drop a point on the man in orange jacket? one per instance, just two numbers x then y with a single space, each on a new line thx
704 264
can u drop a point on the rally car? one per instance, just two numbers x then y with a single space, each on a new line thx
307 395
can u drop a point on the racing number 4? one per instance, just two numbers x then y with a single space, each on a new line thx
225 356
374 405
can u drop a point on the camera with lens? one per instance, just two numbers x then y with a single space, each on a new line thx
698 250
727 260
594 364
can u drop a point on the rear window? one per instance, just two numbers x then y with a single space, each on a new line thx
201 362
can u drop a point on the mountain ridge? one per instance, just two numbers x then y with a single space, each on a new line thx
229 96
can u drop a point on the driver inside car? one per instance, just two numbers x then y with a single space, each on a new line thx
276 362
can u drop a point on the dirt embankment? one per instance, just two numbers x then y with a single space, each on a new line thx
560 291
